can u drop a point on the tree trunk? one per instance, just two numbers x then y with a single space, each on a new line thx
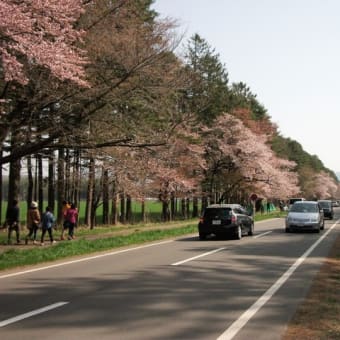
77 179
204 203
172 205
14 176
105 196
40 183
51 180
60 184
143 211
128 209
122 208
67 178
183 210
29 197
14 182
90 193
195 207
114 210
187 207
1 180
166 215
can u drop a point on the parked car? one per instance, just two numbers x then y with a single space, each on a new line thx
226 220
305 215
327 207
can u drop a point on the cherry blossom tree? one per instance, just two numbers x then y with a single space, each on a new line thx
244 160
41 33
324 186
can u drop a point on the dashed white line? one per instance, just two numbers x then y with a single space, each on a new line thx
198 256
263 234
32 313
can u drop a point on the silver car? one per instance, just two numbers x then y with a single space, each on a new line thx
305 215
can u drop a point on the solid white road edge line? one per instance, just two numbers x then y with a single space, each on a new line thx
30 314
198 256
237 325
83 259
263 234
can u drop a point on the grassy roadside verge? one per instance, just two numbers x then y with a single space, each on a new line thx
88 243
318 318
96 240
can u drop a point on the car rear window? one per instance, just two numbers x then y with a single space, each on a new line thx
303 207
325 204
217 213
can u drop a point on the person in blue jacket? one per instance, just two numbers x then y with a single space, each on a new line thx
47 223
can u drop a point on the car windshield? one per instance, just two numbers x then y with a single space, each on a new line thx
304 208
217 213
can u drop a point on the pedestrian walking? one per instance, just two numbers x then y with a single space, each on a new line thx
66 206
71 220
47 222
33 221
12 221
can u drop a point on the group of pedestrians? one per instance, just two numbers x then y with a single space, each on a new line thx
45 221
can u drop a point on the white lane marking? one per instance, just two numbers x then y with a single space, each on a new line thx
237 325
198 256
30 314
83 259
263 234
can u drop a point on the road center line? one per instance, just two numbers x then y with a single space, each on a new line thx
237 325
33 313
263 234
198 256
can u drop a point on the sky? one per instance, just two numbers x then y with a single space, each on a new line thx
286 51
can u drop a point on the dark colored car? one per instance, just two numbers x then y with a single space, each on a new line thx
225 220
327 207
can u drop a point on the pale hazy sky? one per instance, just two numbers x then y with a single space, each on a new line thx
286 51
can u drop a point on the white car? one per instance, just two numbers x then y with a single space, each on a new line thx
305 215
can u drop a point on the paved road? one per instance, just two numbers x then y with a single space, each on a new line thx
175 289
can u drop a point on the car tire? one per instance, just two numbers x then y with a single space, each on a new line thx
251 231
238 232
202 236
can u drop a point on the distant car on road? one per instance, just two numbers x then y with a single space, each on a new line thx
305 215
225 219
335 203
327 207
292 200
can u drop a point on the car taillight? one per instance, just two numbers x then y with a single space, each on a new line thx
233 219
201 219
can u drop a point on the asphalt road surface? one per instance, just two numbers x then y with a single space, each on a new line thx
174 289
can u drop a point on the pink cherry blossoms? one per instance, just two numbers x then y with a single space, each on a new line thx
41 32
253 158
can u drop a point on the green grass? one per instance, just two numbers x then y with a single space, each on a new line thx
98 239
22 257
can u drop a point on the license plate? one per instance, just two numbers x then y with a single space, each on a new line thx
216 222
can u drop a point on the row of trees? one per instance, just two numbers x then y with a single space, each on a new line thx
92 92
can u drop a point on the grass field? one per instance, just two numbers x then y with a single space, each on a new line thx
153 209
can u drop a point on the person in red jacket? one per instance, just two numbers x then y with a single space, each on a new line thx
71 218
66 206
